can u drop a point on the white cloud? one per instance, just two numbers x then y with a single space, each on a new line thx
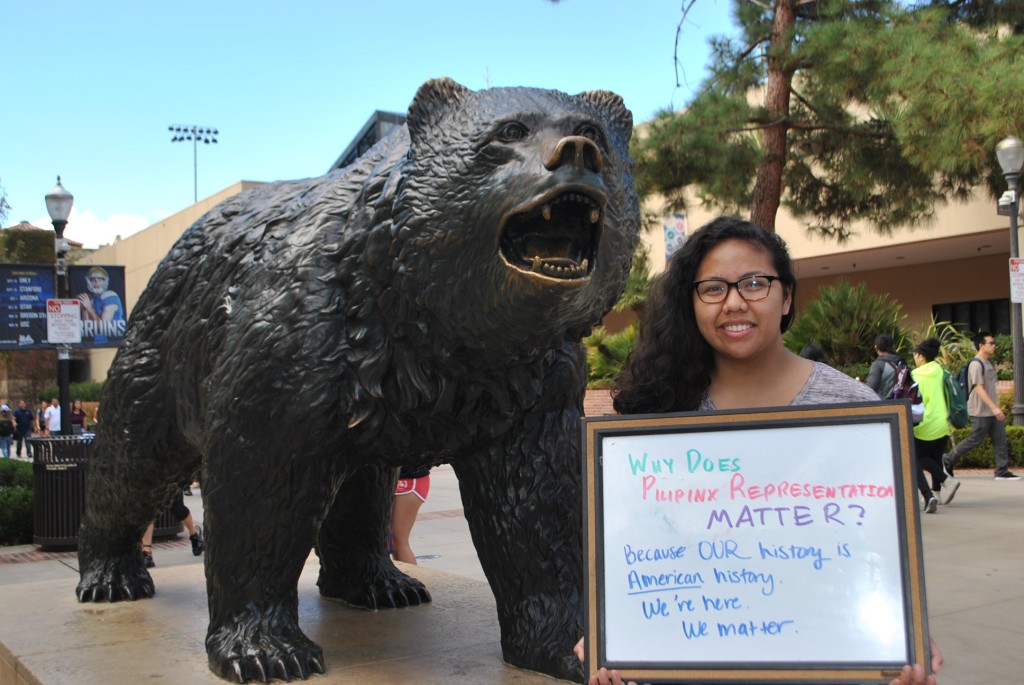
88 229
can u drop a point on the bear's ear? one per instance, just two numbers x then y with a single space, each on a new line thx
613 107
432 100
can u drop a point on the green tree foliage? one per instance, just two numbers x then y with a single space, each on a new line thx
26 246
843 320
844 111
638 283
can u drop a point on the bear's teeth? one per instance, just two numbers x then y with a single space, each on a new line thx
584 265
546 212
536 264
595 214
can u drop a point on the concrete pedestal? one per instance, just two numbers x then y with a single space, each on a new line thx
48 638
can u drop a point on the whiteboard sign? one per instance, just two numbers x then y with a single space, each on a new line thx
63 321
770 545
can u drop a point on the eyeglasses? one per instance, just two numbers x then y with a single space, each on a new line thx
751 288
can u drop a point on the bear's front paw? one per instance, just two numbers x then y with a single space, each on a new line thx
387 588
250 651
113 580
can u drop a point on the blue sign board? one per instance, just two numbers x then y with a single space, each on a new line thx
24 290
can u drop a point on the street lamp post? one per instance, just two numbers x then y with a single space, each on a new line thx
196 134
58 205
1010 152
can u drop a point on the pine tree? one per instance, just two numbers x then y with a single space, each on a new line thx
843 111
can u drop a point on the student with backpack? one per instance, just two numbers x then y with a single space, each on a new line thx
932 433
889 370
987 419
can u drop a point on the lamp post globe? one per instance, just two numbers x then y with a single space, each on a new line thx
58 205
1010 153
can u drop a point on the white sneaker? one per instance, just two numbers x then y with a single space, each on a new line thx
948 491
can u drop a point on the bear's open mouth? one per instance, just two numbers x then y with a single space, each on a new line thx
555 236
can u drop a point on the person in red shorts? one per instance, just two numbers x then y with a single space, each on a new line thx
410 494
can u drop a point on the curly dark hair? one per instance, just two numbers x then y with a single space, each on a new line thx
670 369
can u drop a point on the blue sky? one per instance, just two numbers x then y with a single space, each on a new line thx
89 89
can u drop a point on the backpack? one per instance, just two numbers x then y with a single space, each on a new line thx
962 377
956 400
903 382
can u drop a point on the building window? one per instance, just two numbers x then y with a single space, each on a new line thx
980 315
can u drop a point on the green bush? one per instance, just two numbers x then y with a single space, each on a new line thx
1003 357
982 457
87 391
14 473
15 502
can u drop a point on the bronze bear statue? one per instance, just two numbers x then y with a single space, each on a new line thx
424 305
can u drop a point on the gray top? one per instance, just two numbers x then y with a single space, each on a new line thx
825 386
983 374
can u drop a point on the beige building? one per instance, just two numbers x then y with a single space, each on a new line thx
140 254
956 268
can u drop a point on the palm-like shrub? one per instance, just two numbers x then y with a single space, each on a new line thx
957 347
843 320
606 354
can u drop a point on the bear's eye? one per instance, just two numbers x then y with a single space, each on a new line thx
512 131
590 131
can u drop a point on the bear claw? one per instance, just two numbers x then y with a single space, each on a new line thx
115 582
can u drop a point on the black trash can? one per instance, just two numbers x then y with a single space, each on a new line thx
59 465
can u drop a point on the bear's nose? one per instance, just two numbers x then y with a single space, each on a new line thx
578 151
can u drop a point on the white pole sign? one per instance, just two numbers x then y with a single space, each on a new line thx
63 321
1016 280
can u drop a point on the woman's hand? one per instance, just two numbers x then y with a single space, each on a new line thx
915 675
601 676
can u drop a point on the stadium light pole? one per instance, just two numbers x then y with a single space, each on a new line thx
58 206
1010 153
196 134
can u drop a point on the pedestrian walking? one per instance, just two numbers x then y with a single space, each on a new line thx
931 435
987 419
24 423
52 417
885 369
6 431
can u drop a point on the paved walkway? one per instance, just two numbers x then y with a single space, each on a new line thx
974 567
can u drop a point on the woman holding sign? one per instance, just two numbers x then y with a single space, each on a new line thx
712 339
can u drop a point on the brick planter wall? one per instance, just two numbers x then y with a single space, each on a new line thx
597 403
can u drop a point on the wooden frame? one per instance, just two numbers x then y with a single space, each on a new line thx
769 545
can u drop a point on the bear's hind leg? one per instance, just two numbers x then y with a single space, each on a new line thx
126 491
355 566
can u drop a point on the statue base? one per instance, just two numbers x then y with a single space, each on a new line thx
48 638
